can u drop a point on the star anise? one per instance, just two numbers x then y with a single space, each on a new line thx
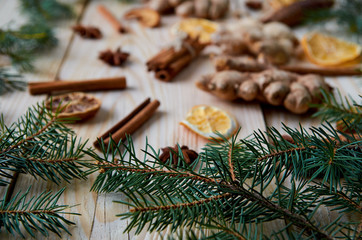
188 155
116 58
87 32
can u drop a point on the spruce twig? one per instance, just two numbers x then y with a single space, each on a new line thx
41 145
340 110
347 13
221 188
38 214
10 81
46 10
20 45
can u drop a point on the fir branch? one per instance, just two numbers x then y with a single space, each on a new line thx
343 200
339 109
10 81
41 145
46 10
174 206
20 45
39 214
232 182
347 13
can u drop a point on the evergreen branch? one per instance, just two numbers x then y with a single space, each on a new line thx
347 13
231 232
340 110
297 220
10 81
40 144
60 160
231 165
46 10
42 214
282 152
107 166
163 195
20 45
31 137
341 200
174 206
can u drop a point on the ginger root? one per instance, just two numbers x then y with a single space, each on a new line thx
274 87
211 9
239 63
249 64
273 42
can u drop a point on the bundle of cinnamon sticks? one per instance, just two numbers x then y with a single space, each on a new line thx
129 124
169 62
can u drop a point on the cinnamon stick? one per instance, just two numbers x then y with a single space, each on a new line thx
247 64
346 71
174 69
111 19
130 123
169 62
72 86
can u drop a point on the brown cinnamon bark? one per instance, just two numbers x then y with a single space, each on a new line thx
130 123
111 19
72 86
169 62
295 13
336 71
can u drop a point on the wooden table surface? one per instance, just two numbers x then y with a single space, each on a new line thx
76 59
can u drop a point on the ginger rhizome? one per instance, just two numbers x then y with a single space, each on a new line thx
211 9
273 42
278 88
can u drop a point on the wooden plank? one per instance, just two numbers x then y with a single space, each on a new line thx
13 105
176 99
98 219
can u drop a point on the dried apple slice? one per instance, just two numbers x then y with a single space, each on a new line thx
146 16
77 105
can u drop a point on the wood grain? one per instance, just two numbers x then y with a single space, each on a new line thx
77 59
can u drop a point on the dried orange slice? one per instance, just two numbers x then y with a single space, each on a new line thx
207 120
196 28
325 50
77 105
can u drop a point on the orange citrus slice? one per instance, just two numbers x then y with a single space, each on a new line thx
207 121
196 27
78 105
329 51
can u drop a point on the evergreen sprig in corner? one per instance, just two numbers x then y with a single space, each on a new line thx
20 45
46 10
10 81
41 214
239 186
41 145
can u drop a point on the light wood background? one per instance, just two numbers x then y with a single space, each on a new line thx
76 59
